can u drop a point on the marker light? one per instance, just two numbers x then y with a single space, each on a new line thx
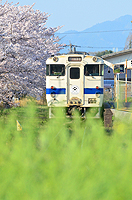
97 87
52 87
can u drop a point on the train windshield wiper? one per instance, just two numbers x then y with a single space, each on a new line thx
91 75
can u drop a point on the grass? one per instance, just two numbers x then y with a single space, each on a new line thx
63 159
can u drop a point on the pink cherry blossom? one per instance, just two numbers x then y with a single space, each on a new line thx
25 44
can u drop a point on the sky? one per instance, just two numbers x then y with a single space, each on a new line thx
79 14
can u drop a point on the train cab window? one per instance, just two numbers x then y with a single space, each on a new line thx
74 73
55 70
91 70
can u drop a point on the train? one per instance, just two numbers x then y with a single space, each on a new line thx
75 80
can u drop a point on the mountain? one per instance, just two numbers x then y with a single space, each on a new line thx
102 36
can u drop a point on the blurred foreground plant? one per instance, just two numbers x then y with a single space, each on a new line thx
64 159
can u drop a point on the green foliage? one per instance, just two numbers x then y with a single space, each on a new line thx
129 99
101 53
63 158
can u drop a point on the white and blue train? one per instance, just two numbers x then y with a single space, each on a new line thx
75 80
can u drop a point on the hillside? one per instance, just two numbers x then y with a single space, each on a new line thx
101 36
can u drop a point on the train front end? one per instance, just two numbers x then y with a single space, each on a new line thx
74 80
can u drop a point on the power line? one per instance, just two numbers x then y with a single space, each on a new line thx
103 31
90 47
101 47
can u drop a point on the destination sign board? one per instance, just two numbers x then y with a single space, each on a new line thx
74 59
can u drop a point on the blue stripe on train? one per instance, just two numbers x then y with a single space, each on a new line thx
86 90
93 90
57 90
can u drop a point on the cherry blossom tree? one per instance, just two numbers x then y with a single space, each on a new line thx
25 44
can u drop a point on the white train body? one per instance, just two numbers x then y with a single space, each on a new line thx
74 80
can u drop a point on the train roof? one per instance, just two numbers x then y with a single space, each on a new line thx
76 52
75 58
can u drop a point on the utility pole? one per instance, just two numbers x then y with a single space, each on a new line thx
130 44
126 83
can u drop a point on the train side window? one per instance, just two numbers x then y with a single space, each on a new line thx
74 73
91 70
57 70
101 68
47 70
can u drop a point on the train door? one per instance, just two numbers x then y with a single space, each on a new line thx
75 85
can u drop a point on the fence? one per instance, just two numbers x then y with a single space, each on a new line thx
123 94
120 93
109 94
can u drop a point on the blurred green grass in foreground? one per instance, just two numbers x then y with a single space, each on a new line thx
64 159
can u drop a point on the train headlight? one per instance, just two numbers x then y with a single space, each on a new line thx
75 101
55 59
53 94
98 94
94 58
92 100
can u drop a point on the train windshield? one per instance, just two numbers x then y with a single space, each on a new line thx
55 70
93 70
74 73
